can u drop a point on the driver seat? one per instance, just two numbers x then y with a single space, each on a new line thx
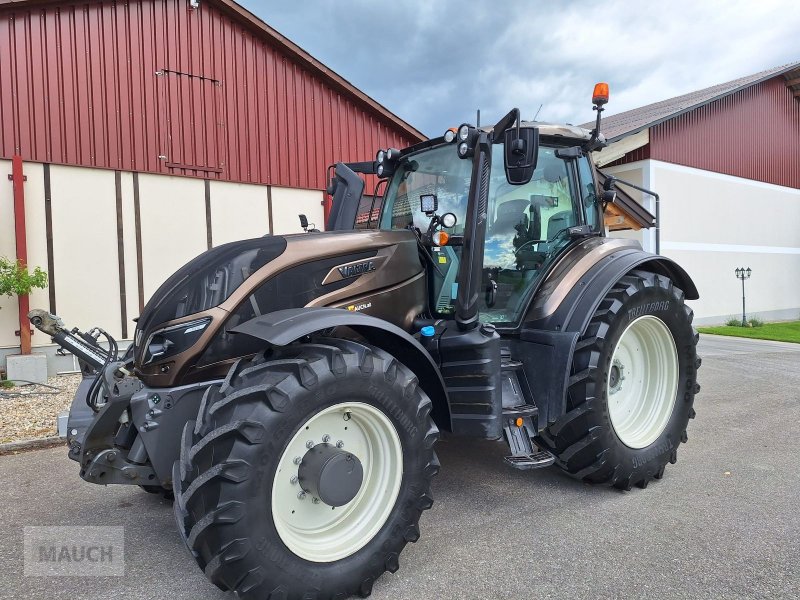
509 215
560 220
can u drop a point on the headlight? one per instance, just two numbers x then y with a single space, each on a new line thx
173 340
449 136
448 220
463 133
380 157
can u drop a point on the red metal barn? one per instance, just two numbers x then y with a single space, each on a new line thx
151 130
725 161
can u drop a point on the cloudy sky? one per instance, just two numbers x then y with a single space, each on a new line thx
433 62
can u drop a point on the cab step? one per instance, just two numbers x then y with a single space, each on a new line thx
538 460
519 429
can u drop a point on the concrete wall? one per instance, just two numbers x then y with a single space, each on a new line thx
714 223
175 215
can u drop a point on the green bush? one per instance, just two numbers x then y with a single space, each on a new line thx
755 322
733 322
16 280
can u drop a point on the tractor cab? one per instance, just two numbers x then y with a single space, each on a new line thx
525 229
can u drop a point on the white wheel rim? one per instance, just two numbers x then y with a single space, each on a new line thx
321 533
642 382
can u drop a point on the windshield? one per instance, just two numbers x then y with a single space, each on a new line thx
435 171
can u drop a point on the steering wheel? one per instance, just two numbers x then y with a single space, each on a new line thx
528 243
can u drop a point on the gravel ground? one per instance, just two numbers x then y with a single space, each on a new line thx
33 413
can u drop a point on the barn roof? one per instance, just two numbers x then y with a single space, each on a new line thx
633 121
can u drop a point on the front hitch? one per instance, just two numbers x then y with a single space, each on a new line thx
80 344
103 439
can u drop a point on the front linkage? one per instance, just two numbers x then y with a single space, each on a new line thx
107 391
113 412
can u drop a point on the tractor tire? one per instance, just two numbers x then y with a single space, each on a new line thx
632 386
268 497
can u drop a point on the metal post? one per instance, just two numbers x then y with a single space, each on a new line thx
743 273
744 312
23 304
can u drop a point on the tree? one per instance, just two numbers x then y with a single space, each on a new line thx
16 280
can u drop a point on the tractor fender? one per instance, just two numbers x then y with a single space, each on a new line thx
569 297
283 327
557 319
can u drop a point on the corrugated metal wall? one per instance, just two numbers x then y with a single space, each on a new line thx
155 86
642 153
754 133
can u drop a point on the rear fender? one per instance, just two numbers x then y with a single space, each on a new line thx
559 317
573 291
282 327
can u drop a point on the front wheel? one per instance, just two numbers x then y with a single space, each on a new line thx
632 386
306 472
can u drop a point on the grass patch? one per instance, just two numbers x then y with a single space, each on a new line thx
779 332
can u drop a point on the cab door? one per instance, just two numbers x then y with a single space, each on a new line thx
527 230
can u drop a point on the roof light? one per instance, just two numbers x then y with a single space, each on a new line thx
450 135
392 154
600 95
463 132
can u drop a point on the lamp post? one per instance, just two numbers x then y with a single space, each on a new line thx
742 273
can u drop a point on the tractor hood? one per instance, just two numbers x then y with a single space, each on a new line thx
185 324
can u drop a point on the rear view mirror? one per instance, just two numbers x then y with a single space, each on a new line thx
520 152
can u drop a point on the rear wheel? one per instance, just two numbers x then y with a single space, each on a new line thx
632 387
306 471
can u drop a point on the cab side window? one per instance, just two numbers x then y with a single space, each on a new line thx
524 232
588 192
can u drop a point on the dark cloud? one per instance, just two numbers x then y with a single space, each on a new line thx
434 62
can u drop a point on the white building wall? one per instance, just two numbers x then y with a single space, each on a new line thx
172 212
713 223
287 203
85 259
238 211
173 221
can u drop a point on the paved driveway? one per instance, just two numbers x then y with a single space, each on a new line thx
723 523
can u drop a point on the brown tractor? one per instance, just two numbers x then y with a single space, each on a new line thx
290 389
